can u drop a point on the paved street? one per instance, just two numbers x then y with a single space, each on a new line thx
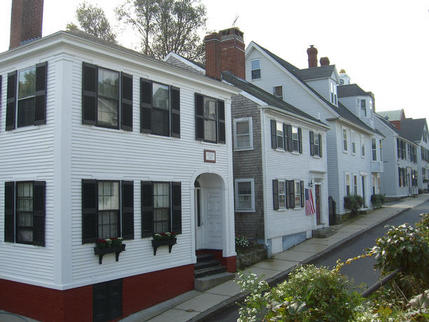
360 271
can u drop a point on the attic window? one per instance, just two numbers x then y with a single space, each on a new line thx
278 91
256 69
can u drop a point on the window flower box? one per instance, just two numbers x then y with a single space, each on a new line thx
164 239
108 246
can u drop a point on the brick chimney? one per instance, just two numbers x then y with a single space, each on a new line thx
324 61
225 52
312 56
26 21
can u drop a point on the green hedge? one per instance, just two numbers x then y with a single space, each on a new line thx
353 203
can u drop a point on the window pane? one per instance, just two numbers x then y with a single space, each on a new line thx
282 195
108 195
161 194
108 224
25 197
108 83
160 121
25 219
25 235
209 108
244 188
242 127
245 202
160 96
243 141
255 64
210 130
108 111
297 194
27 82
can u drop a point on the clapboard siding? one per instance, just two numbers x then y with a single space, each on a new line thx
27 153
101 153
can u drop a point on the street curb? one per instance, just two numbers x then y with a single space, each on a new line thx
209 313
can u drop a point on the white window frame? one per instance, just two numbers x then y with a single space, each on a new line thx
374 149
251 69
274 91
252 187
297 182
295 129
355 187
363 109
362 147
283 182
353 143
250 123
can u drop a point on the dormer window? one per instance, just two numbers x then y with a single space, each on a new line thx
256 69
333 91
363 108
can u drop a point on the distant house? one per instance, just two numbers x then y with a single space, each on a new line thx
99 142
279 154
400 159
314 91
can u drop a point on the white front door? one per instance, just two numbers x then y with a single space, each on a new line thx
213 229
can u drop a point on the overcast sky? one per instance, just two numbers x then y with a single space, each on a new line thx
382 44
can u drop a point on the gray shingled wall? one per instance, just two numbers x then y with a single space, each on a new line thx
248 164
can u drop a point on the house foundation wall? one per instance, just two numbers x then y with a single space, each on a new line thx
138 292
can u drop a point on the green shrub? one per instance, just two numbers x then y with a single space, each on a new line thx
353 203
241 243
405 248
377 200
310 294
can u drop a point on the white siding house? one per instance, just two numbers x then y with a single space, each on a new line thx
97 141
314 91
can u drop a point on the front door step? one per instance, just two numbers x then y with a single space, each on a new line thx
207 282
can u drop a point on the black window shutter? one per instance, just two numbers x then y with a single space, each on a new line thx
89 211
312 143
9 211
126 102
221 121
145 106
39 212
175 112
11 101
127 209
89 93
41 91
302 193
286 183
399 176
300 139
320 145
176 207
291 193
199 117
147 208
273 134
275 194
289 137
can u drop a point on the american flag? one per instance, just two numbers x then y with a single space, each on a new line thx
309 205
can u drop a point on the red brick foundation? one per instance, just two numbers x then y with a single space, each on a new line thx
139 292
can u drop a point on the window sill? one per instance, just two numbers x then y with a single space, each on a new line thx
209 143
345 152
105 129
22 245
245 210
26 128
295 152
279 150
316 157
243 149
157 136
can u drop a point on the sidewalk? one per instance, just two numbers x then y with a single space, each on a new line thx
196 305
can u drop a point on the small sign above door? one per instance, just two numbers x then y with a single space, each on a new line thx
210 156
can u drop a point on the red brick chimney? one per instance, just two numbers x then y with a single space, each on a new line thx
324 61
225 52
312 56
25 22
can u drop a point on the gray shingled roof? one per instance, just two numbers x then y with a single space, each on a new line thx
412 129
341 109
385 121
392 115
265 96
351 90
316 72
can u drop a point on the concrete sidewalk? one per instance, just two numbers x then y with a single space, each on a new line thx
199 305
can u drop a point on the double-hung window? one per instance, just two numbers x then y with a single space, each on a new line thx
278 91
345 147
315 144
26 97
280 135
288 194
374 149
243 134
352 138
107 209
296 139
256 69
355 184
244 195
161 207
347 184
106 98
209 119
25 212
286 137
159 109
